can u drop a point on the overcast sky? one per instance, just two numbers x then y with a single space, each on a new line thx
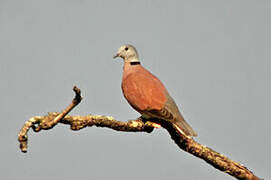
214 57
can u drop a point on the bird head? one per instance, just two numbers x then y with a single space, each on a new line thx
128 53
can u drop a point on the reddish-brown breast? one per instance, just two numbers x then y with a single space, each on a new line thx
142 89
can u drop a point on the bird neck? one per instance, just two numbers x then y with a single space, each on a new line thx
130 67
131 59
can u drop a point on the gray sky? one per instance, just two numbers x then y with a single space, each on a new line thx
213 56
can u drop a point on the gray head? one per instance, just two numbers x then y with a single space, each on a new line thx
128 53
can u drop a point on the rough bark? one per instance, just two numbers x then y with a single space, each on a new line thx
217 160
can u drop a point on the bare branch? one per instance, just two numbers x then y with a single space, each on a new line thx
217 160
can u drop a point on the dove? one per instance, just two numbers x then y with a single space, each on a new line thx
147 94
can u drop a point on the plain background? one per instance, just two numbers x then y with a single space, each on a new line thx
213 56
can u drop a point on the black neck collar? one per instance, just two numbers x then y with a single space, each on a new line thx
135 63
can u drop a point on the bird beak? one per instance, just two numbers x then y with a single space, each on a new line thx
117 55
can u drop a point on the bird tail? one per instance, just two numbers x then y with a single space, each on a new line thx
184 128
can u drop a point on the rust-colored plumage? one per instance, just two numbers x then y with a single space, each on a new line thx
146 93
141 89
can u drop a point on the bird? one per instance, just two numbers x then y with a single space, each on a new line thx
147 94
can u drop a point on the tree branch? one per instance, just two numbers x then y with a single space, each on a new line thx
217 160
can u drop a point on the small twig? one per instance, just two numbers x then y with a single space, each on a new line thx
217 160
46 122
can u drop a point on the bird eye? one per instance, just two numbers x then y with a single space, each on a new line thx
126 49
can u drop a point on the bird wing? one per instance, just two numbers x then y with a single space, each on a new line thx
171 113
